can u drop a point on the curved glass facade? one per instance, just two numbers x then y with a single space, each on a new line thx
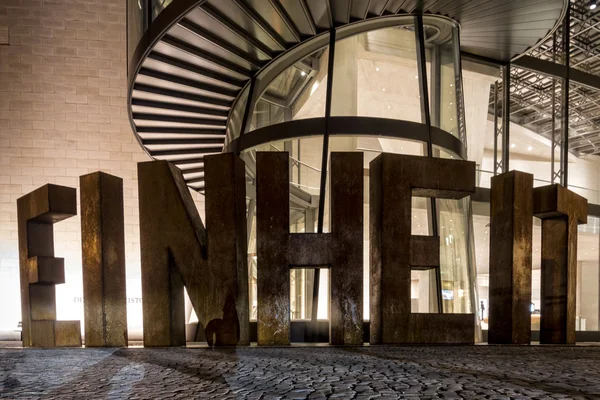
376 74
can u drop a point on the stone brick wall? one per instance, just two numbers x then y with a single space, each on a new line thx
63 113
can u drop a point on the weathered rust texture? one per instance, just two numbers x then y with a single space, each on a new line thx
39 269
176 252
394 179
424 252
50 333
103 250
511 235
341 250
272 248
561 210
347 230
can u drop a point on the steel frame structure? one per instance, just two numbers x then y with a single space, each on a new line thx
539 99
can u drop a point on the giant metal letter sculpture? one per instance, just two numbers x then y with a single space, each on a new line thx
103 250
561 211
511 216
394 251
40 271
278 250
177 251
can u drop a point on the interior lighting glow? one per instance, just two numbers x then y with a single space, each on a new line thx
314 88
529 148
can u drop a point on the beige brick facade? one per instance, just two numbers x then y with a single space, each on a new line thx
63 113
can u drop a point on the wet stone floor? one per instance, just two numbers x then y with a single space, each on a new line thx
469 372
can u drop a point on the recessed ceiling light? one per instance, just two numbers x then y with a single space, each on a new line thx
529 148
512 146
302 73
389 107
384 89
377 69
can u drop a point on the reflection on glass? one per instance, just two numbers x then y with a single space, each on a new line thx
376 75
305 177
443 77
158 6
136 23
588 276
236 115
458 272
297 93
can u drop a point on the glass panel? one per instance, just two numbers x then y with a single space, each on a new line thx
136 23
588 276
481 222
305 177
442 75
158 6
376 75
234 123
457 261
297 93
371 147
583 166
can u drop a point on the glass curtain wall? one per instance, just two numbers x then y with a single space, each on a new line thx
297 93
137 23
375 74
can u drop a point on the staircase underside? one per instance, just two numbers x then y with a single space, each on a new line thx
182 90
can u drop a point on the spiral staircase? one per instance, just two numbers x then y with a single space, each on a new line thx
186 74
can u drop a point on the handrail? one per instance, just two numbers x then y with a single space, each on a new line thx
296 160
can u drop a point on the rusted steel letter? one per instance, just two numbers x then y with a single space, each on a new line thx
560 210
178 251
40 271
394 251
341 251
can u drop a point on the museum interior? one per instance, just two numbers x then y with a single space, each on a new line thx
101 86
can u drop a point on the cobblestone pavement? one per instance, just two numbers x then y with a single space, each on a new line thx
474 372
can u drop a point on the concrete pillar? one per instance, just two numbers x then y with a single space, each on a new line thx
561 210
511 235
103 251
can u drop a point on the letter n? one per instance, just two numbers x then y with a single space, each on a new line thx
178 251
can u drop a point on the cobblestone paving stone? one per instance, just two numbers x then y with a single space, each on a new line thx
473 372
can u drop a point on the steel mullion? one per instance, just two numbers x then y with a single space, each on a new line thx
425 114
